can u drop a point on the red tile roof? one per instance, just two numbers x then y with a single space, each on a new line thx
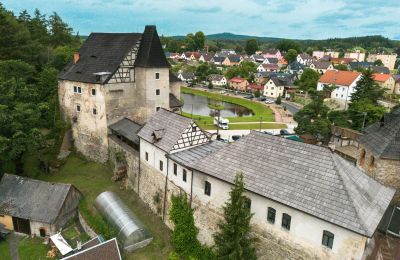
381 77
237 79
255 87
338 77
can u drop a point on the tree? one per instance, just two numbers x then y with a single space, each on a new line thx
257 93
291 55
251 46
238 49
364 112
367 88
312 118
244 70
233 240
199 39
309 80
378 63
286 45
278 100
341 67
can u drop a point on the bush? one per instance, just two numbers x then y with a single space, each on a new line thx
278 100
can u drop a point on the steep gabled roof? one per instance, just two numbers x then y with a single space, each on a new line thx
322 64
32 199
383 138
101 52
339 77
151 53
172 125
306 177
174 102
381 77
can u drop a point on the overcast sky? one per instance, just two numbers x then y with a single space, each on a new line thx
296 19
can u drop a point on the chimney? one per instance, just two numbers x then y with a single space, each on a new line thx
76 57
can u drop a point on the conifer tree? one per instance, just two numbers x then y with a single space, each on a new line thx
233 240
367 88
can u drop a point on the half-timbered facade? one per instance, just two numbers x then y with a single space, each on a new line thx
114 76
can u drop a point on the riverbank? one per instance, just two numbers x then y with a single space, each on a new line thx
261 111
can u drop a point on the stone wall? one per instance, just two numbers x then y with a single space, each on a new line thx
88 230
36 226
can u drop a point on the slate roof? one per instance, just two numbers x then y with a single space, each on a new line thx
219 58
107 250
215 77
270 66
281 81
32 199
296 66
104 52
322 64
306 177
305 56
380 69
273 60
189 156
383 138
128 129
101 52
234 58
172 124
174 102
187 75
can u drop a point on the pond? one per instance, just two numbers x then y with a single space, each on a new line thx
198 105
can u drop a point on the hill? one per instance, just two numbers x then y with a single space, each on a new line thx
239 37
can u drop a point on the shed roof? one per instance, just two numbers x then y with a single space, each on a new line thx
383 138
107 250
306 177
127 128
32 199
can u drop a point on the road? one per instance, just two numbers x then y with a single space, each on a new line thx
290 107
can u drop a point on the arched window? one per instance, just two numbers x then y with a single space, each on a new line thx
327 239
362 157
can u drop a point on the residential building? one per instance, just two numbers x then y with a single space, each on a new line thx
218 60
206 57
286 206
187 77
357 55
296 68
396 84
96 249
320 54
254 87
344 81
114 75
272 53
232 60
217 80
321 66
385 81
388 60
268 67
191 55
36 207
238 83
257 58
228 51
304 59
337 61
368 65
282 63
271 61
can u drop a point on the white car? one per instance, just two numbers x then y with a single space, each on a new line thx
269 101
222 92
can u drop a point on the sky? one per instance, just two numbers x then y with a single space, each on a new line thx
293 19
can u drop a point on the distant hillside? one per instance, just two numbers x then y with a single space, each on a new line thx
239 37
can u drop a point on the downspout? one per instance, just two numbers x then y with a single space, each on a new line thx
165 190
138 181
191 189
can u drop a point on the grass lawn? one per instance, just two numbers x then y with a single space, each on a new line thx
32 248
250 126
4 251
93 178
74 233
259 109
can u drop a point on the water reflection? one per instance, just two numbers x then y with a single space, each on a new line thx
198 105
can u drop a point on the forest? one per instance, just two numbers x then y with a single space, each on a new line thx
34 47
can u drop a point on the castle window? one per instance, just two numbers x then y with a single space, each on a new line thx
175 169
42 232
93 92
157 92
147 156
94 111
362 157
78 108
157 108
286 219
184 175
327 239
157 75
77 90
161 165
271 215
207 188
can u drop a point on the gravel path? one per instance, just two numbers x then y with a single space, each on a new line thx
13 241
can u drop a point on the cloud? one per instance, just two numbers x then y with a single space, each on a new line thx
315 19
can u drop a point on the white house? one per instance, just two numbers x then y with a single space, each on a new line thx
357 55
217 80
304 59
268 67
316 207
321 66
344 81
271 61
186 76
274 87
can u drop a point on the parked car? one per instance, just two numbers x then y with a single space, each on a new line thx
268 133
262 98
249 96
269 101
236 137
222 92
284 132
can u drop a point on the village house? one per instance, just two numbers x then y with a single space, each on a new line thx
282 63
268 67
113 76
232 60
321 54
174 56
254 87
343 81
206 57
304 59
96 249
261 77
271 61
191 55
345 61
256 58
388 60
36 207
277 86
273 53
294 200
321 66
218 60
357 55
217 80
187 77
368 65
296 68
238 83
385 81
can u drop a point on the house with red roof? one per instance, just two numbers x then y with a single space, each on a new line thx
385 81
238 83
254 87
344 81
